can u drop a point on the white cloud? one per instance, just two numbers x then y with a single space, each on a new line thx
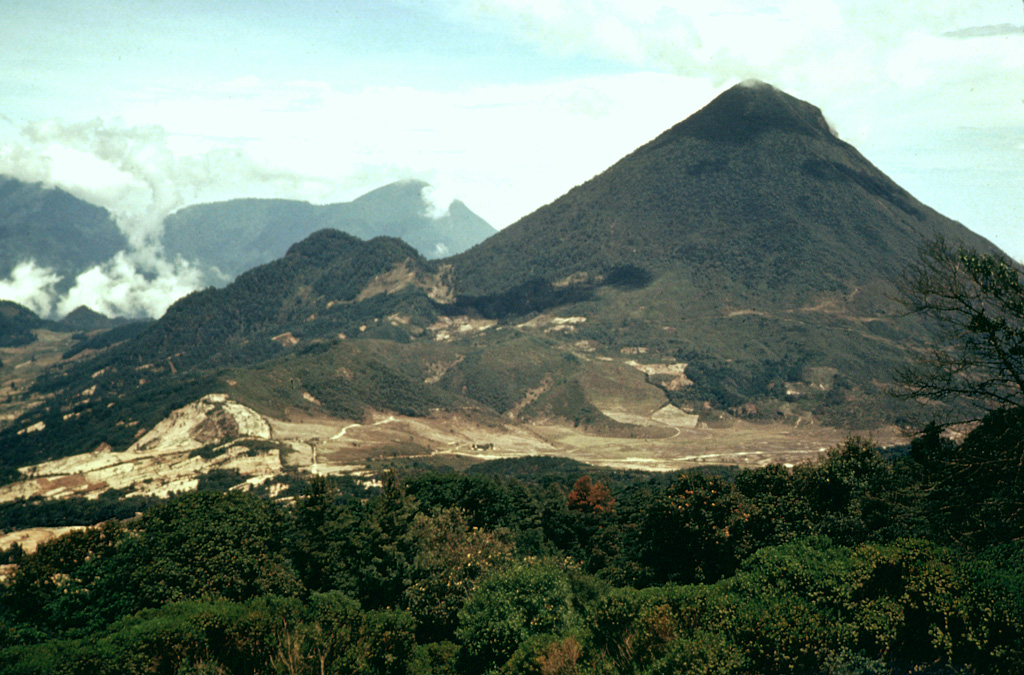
134 172
131 286
438 201
504 150
30 286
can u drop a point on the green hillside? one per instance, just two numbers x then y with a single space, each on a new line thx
16 324
753 196
748 241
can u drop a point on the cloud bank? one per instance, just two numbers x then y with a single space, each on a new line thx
30 286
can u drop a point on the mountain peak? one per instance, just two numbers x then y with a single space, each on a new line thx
750 109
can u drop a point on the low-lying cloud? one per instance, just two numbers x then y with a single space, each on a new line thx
126 285
437 200
32 286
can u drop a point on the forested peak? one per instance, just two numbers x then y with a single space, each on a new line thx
749 109
334 239
10 310
331 243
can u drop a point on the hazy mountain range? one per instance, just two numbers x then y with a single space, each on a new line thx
237 235
49 238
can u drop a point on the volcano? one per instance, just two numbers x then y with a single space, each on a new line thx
748 241
754 193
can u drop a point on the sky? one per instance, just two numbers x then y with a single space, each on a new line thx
144 107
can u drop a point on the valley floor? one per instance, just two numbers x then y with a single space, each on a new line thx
177 454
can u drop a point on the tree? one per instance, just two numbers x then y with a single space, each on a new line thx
976 301
976 489
211 545
509 606
449 558
68 584
693 532
587 496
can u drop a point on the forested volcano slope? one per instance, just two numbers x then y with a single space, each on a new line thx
748 241
752 194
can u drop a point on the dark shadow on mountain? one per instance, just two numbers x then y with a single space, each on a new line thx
835 172
628 277
535 295
538 295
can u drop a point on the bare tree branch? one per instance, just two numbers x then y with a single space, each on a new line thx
976 302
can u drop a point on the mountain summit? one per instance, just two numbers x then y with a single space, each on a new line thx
755 245
750 109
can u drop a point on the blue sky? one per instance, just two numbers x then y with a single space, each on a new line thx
144 107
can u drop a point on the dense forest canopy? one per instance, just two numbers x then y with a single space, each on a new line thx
854 564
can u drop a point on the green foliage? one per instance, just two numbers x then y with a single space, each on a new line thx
851 495
976 489
691 533
208 544
487 502
70 583
532 598
22 515
803 570
450 558
267 635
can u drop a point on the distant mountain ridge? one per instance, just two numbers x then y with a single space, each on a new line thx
66 236
240 234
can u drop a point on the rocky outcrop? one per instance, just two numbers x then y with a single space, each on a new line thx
212 419
211 433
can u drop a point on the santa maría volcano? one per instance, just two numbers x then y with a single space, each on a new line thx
748 240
